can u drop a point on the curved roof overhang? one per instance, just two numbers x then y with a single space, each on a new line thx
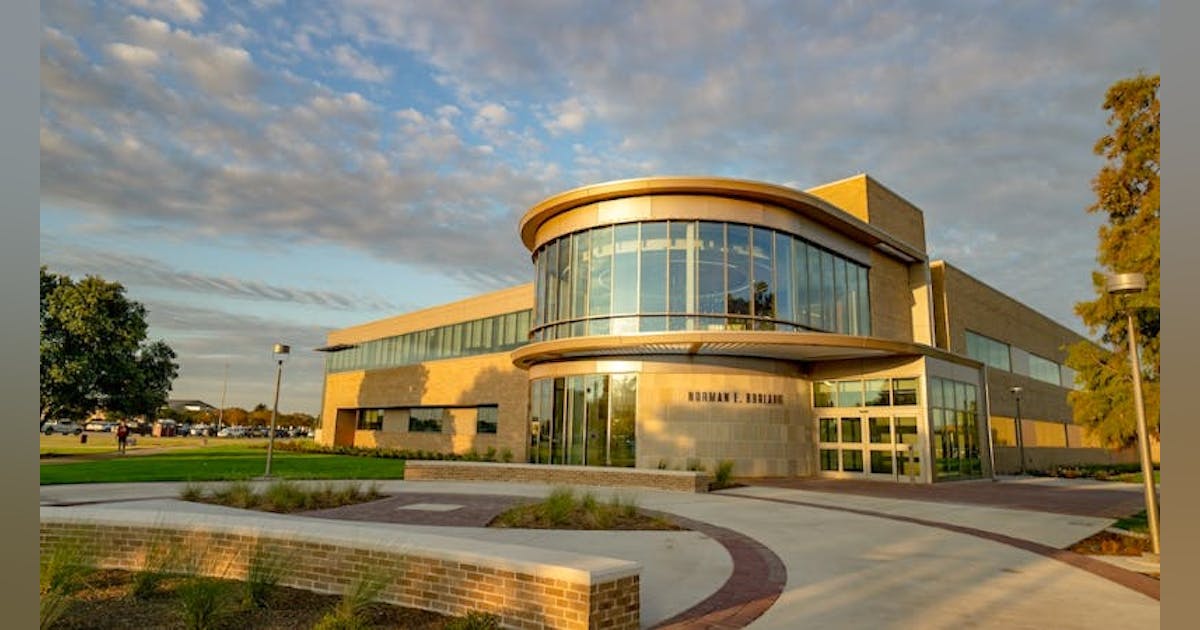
807 205
785 346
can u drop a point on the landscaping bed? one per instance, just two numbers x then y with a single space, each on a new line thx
106 602
564 510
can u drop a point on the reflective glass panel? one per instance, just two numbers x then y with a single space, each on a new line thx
783 277
738 268
878 392
852 461
600 281
625 269
762 252
881 462
880 430
682 270
849 394
581 251
851 430
822 393
711 269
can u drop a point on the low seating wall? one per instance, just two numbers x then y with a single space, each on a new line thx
525 587
434 470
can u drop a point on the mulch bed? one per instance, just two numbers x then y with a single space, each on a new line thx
107 605
1108 543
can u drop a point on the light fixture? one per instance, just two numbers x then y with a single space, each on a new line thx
1128 284
280 351
1016 392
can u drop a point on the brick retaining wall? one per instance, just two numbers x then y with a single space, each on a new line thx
427 572
679 481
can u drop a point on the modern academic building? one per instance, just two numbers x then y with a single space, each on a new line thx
681 321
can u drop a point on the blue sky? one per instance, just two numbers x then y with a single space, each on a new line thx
269 171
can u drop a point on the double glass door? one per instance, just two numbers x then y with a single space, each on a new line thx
875 446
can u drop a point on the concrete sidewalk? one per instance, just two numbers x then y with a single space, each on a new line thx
843 569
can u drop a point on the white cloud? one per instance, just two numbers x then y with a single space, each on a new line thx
567 116
358 66
176 10
134 56
491 116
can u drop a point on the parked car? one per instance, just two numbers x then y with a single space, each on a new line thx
65 427
234 431
94 425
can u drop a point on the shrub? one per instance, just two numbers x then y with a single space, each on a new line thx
506 455
161 560
192 492
662 464
263 573
350 613
474 620
490 454
723 478
559 505
62 571
693 464
203 600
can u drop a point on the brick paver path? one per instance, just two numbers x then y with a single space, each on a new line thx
757 579
1082 500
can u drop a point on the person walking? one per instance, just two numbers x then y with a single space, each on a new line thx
122 437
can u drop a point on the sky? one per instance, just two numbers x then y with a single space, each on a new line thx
267 171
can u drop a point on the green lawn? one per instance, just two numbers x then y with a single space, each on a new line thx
219 463
1136 523
1136 477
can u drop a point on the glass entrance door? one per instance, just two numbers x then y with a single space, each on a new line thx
892 448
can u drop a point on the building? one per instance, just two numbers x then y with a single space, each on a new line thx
681 321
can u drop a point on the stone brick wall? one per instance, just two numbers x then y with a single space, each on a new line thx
421 576
679 481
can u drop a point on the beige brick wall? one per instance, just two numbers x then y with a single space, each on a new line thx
489 379
679 481
867 199
522 600
964 303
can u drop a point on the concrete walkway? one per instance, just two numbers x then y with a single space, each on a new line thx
847 559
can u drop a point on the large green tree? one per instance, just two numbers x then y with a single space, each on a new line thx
94 353
1127 193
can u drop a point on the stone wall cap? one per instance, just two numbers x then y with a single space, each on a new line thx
546 563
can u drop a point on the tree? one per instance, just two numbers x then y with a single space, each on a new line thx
94 354
1127 191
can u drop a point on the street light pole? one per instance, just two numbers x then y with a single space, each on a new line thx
280 351
1125 284
1016 391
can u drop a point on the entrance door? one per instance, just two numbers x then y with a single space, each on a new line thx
873 447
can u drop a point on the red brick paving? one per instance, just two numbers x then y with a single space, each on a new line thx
1080 500
758 574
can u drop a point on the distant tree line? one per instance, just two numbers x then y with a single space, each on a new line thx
260 415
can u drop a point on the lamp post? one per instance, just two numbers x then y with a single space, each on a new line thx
280 350
1128 284
1016 391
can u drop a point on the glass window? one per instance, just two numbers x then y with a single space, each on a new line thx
600 282
711 258
849 394
993 353
841 304
879 430
552 281
427 419
878 392
625 269
851 430
828 294
815 313
852 461
829 459
823 394
829 429
581 250
783 277
1043 370
653 269
487 419
881 462
539 286
762 253
864 302
565 297
800 281
682 268
370 419
738 269
623 430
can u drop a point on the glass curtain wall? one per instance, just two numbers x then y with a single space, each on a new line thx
954 416
588 420
694 275
499 333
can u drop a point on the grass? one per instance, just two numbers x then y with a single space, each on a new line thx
1138 523
263 573
562 509
203 601
351 611
63 570
221 462
282 496
1136 477
106 443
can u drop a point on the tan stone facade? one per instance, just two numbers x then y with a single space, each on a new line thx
736 392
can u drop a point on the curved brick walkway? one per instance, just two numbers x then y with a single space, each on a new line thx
757 579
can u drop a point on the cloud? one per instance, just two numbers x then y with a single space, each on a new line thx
176 10
358 66
568 116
